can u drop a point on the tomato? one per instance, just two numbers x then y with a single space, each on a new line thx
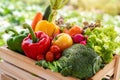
55 49
65 30
49 56
63 40
57 55
75 30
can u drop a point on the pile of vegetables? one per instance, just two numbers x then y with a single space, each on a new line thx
65 47
77 61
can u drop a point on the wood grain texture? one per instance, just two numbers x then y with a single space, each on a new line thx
29 65
5 77
16 73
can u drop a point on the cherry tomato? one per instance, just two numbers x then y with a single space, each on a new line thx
57 55
55 49
49 56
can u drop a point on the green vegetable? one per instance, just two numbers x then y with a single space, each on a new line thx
77 61
82 61
47 13
14 42
103 41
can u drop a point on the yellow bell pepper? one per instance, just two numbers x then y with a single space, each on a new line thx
48 27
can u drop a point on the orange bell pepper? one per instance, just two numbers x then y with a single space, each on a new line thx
49 28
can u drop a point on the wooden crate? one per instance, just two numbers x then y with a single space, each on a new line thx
18 67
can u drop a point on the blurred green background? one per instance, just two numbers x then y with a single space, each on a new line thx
13 13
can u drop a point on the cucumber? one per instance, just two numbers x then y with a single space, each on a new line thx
47 13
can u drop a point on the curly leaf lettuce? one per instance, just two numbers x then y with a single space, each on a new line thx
103 41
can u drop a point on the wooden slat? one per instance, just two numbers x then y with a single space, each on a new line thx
5 77
109 74
99 75
117 68
29 65
16 73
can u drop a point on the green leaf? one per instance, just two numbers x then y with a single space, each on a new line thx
103 41
2 42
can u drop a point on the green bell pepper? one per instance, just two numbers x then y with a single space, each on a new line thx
15 40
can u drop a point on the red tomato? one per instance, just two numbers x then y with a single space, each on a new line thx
57 55
49 56
55 49
75 30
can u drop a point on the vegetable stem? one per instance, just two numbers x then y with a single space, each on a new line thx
52 16
34 38
12 30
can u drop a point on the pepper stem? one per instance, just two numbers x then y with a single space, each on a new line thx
12 30
34 38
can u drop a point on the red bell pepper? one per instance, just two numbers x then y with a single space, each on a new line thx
35 45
